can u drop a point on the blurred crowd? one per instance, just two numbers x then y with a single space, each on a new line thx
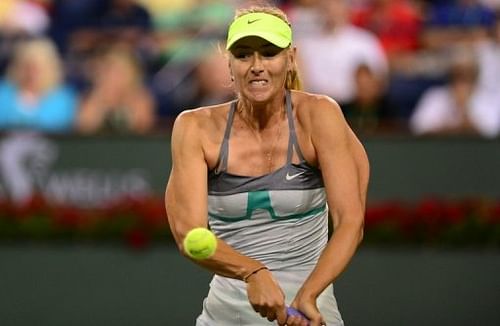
131 66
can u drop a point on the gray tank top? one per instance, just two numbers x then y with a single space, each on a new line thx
278 218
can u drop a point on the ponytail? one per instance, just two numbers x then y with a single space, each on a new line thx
293 79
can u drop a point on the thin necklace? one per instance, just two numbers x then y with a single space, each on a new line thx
270 154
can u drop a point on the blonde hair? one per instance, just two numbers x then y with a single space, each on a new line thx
292 80
44 53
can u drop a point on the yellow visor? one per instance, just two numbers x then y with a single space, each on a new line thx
269 27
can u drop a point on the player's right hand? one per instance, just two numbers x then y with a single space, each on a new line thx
266 297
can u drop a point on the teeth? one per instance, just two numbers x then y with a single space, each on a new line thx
259 82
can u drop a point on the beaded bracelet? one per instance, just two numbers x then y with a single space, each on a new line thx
245 278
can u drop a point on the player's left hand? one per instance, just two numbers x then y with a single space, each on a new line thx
307 307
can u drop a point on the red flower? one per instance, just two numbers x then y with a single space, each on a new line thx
453 213
494 216
69 217
35 205
388 212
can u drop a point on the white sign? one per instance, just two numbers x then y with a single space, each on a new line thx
27 163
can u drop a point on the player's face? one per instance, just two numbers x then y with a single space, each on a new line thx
259 68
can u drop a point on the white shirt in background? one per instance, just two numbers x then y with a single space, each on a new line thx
436 110
329 61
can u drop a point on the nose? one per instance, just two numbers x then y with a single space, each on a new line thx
257 66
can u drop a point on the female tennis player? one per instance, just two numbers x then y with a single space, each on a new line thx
265 172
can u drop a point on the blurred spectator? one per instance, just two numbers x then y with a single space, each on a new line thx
33 95
124 20
19 20
23 16
89 24
492 4
201 80
184 36
81 27
213 80
118 99
457 22
489 59
461 106
305 17
160 7
68 17
197 16
369 110
330 58
397 24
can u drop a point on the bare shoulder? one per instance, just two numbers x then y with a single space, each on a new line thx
201 121
313 110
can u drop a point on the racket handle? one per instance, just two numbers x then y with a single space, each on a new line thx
294 312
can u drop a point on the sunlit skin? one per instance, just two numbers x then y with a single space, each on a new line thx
259 70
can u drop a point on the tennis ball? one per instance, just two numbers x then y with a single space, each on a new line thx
200 243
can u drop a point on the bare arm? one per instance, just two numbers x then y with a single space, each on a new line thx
137 106
345 170
91 114
186 205
186 198
362 165
142 114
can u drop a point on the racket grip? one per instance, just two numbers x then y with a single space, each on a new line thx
294 312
